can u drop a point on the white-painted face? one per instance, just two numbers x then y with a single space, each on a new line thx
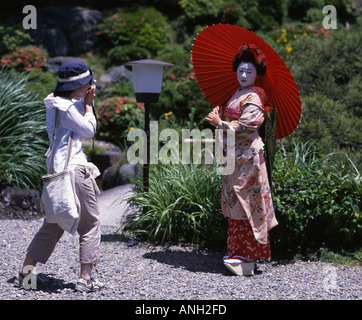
246 74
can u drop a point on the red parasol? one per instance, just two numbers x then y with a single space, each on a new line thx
213 51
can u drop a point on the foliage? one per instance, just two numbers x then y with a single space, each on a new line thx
182 96
182 205
330 126
173 53
333 65
118 115
23 139
299 9
12 37
246 13
290 32
329 78
144 27
121 54
40 82
317 201
27 58
197 8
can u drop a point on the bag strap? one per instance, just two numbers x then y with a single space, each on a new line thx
51 149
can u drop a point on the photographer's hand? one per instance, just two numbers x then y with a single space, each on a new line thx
91 93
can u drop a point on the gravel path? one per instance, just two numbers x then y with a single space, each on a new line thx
140 272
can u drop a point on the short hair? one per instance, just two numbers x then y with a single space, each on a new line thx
64 94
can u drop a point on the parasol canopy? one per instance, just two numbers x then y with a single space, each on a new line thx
212 55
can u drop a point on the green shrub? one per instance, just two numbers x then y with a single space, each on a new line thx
195 8
317 202
12 37
173 53
23 137
260 21
144 27
121 54
41 82
298 9
182 95
330 125
329 78
182 205
332 62
243 13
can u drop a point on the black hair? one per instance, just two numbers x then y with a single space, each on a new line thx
248 56
64 94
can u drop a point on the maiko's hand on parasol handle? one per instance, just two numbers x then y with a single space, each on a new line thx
214 117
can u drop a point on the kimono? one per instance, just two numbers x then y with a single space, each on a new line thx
246 195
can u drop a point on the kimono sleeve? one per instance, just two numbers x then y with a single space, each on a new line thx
251 119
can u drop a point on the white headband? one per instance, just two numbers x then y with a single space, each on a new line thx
79 76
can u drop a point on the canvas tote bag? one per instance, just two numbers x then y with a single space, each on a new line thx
58 196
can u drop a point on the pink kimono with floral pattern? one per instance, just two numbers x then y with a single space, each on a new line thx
245 193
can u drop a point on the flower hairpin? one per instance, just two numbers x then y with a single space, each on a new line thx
260 57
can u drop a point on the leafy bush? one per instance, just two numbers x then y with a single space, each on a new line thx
121 54
41 82
298 8
196 8
317 202
182 205
329 78
330 125
144 27
26 58
12 37
330 66
118 115
23 137
245 13
182 95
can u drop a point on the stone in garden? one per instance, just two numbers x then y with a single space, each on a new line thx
117 75
66 30
106 159
56 62
20 204
126 173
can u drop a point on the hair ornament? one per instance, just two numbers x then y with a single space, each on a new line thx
260 57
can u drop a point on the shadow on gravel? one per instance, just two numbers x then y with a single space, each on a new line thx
115 237
55 285
194 261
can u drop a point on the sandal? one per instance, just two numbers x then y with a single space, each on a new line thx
239 265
